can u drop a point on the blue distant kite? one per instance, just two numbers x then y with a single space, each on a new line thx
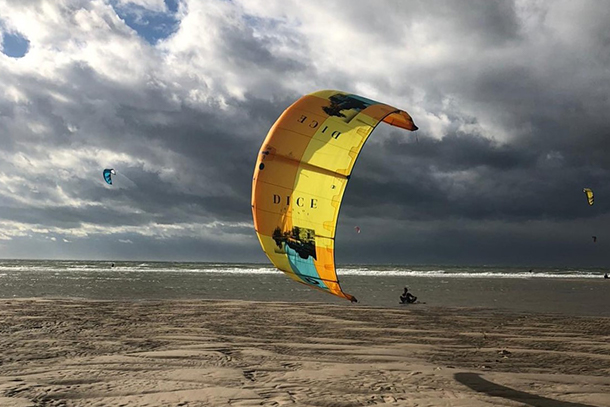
107 175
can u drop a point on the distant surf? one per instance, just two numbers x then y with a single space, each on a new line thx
430 271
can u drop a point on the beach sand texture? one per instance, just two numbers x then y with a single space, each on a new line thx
216 353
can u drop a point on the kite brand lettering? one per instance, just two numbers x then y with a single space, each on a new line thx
299 201
314 123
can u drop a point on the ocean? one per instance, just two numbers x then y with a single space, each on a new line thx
573 291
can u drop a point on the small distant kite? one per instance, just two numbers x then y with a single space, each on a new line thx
589 194
108 172
594 239
357 229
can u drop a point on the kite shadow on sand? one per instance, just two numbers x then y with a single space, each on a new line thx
477 383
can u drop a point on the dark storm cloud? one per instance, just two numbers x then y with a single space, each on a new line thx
467 176
556 141
458 242
211 145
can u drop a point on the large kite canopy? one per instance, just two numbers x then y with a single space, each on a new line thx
108 173
300 177
589 193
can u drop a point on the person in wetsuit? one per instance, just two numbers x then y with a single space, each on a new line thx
407 297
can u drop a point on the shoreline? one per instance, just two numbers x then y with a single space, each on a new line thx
324 300
235 352
563 296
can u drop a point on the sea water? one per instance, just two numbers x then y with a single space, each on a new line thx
575 291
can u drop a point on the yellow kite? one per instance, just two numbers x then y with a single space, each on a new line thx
300 177
589 194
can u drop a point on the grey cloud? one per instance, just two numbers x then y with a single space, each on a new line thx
241 48
425 180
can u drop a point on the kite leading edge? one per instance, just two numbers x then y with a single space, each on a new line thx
301 174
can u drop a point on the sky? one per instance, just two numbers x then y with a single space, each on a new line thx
512 101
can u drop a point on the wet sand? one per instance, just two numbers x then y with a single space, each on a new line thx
60 352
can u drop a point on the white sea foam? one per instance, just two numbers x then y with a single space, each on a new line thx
103 267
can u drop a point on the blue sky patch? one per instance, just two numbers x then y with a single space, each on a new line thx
149 24
172 5
15 45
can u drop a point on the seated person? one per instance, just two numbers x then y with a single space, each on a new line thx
407 297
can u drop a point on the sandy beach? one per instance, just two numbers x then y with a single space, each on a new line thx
60 352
